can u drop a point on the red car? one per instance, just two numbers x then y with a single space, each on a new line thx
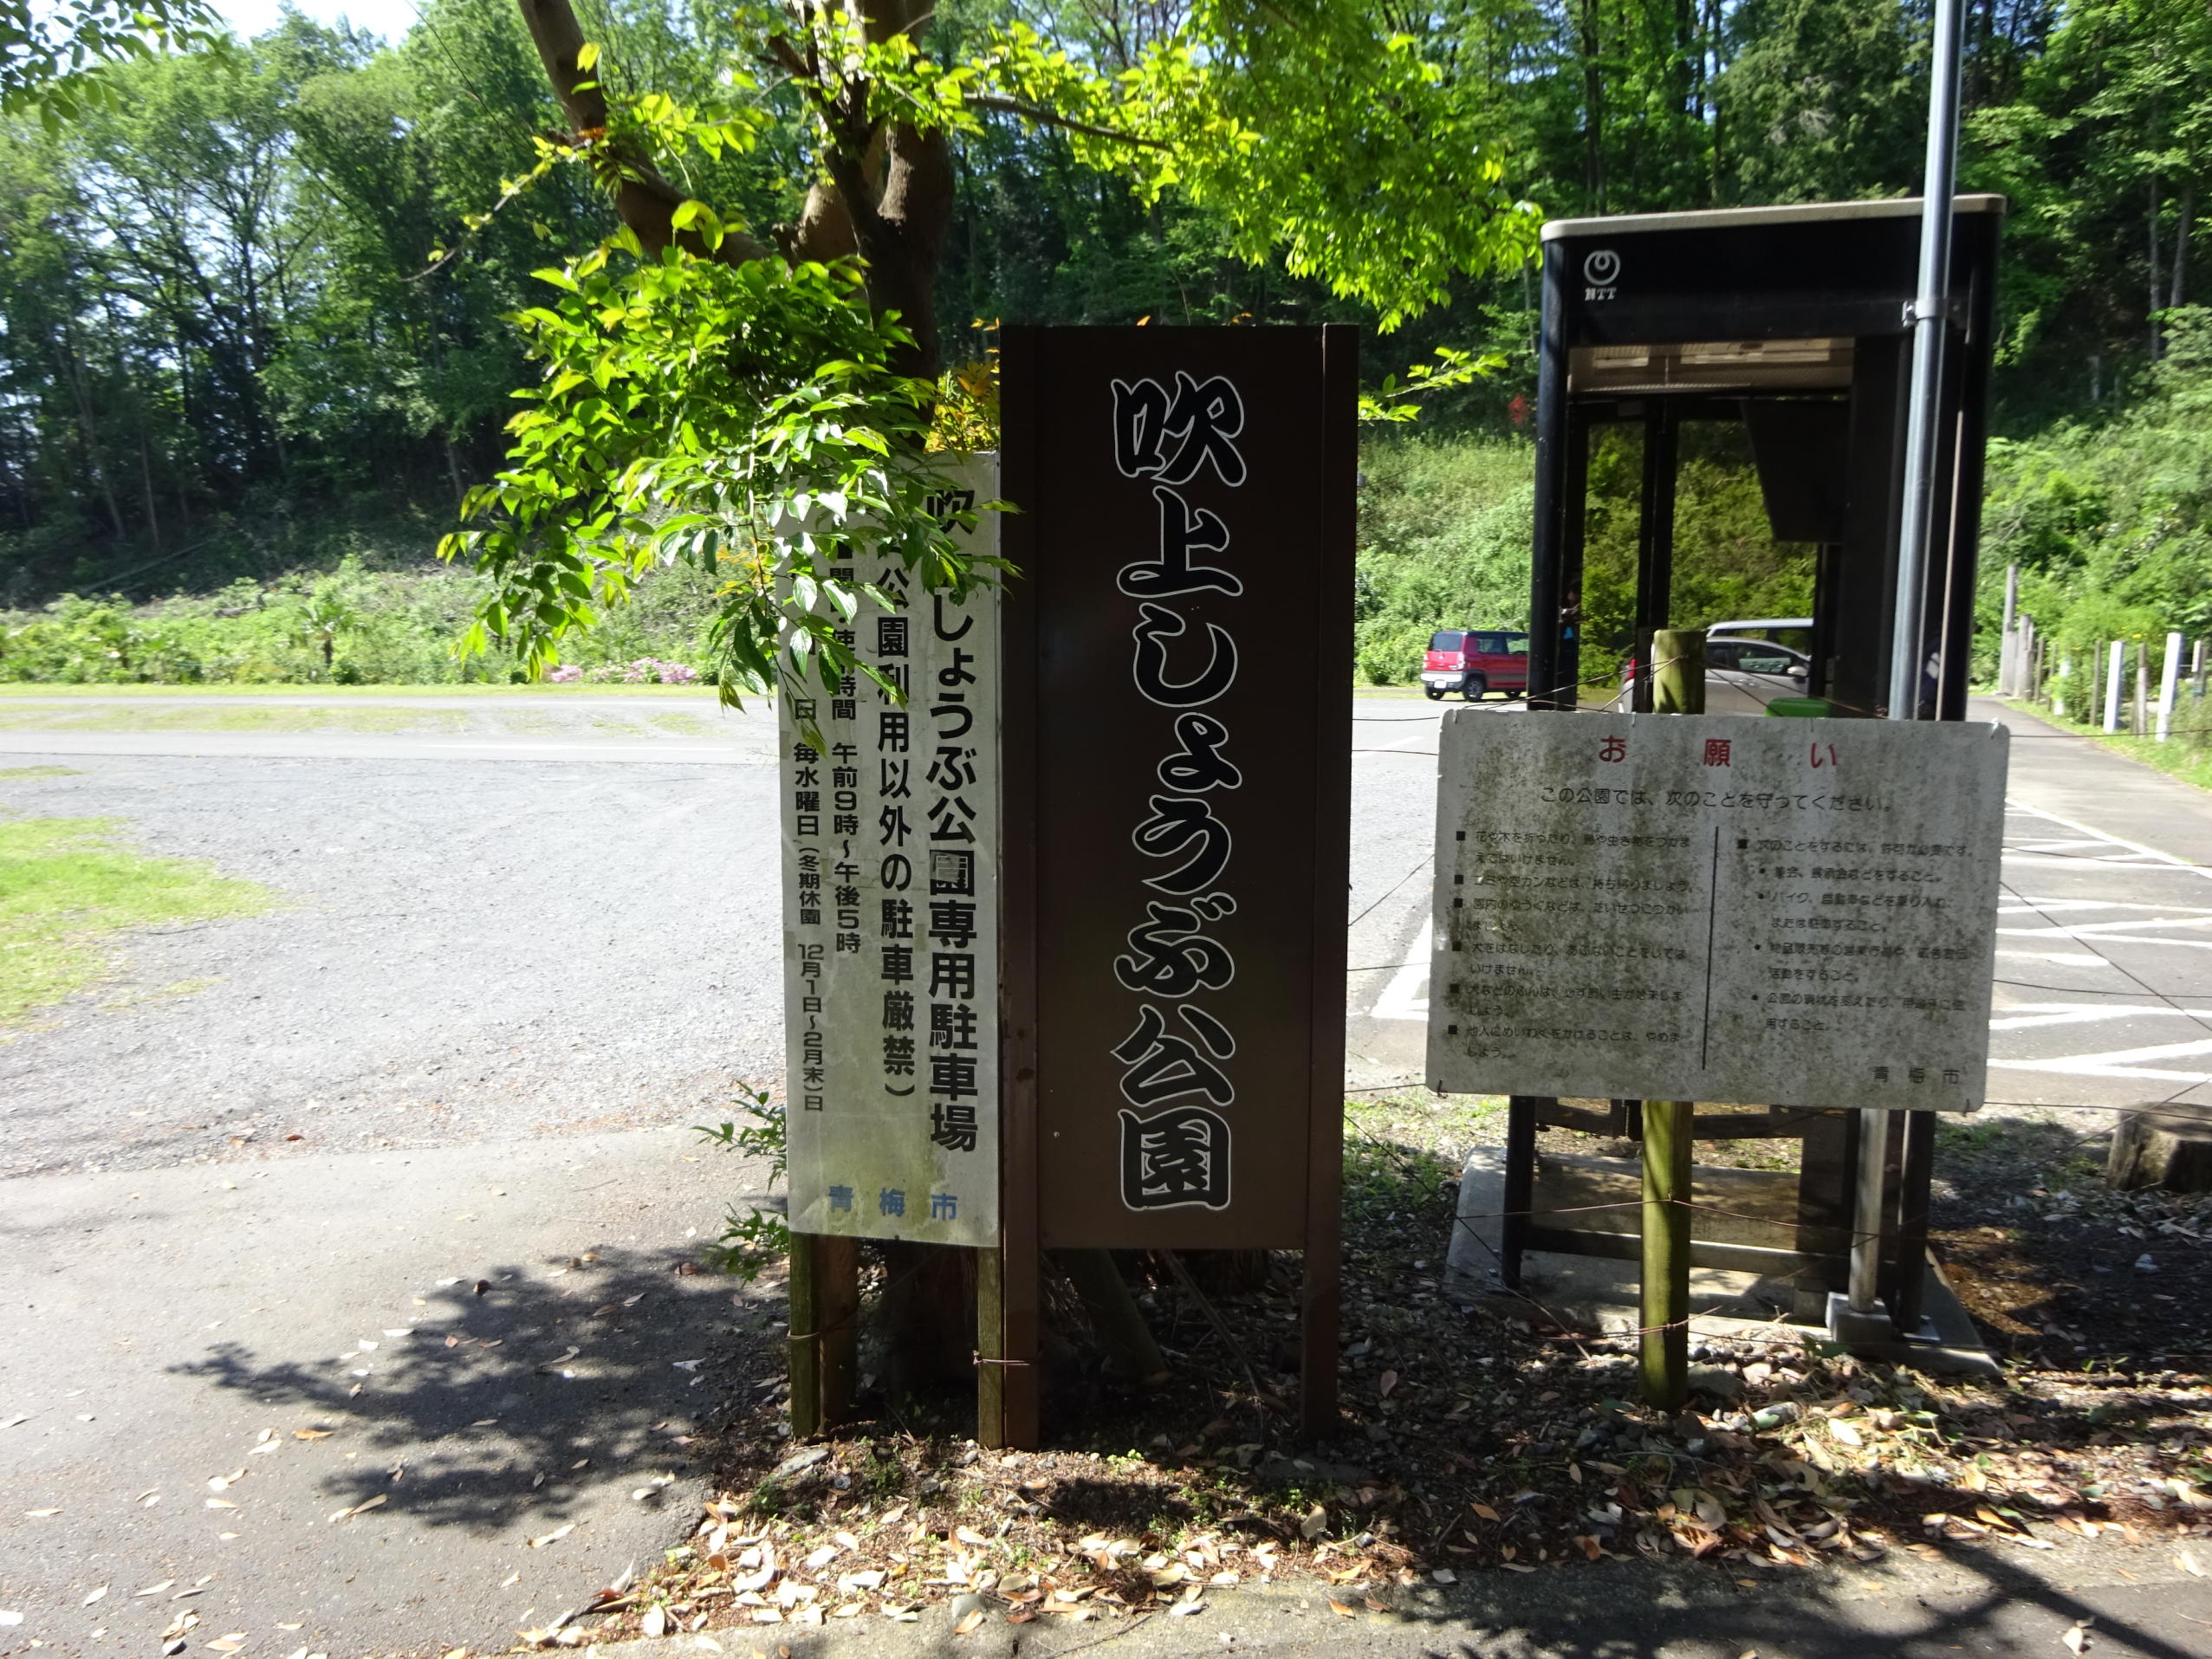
1473 663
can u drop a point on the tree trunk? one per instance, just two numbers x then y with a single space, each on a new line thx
889 198
2151 314
1594 108
646 201
75 371
145 480
2181 246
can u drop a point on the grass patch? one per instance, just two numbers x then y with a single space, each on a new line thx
68 885
2186 755
45 690
2176 758
268 717
39 771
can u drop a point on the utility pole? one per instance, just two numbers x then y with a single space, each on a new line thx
1929 306
1678 687
1909 652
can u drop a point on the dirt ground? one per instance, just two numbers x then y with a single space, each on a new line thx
2058 1271
1473 1442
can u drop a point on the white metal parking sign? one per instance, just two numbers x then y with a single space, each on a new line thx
890 818
1716 908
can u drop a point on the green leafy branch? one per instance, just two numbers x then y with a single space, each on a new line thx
1399 400
743 419
753 1239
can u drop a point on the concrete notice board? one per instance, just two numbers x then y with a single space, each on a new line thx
1716 908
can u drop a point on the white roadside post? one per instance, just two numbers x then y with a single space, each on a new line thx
2168 683
2008 638
2115 685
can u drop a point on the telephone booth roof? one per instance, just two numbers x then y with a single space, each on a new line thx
1756 298
1798 322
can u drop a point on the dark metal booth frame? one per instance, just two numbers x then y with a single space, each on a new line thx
1798 322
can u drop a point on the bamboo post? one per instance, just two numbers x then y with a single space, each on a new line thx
1678 655
1665 1351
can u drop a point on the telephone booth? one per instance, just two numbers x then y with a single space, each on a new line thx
1792 328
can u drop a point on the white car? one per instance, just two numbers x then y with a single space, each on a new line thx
1746 668
1743 675
1795 632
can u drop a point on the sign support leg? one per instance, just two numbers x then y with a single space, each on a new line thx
801 1342
1866 1212
837 1314
1677 669
1320 1297
1665 1318
825 1297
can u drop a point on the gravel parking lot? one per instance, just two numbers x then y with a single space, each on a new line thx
462 952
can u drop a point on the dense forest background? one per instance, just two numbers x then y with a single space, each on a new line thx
251 354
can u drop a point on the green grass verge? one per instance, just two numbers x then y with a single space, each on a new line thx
68 884
40 689
2183 756
371 719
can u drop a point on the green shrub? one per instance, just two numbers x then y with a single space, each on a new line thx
1444 531
351 626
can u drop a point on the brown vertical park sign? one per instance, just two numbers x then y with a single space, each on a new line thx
1175 779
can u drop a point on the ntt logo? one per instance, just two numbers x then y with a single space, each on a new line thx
1600 270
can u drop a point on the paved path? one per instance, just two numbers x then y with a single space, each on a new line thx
202 1368
2104 931
2140 1604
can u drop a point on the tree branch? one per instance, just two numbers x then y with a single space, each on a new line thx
646 201
1066 123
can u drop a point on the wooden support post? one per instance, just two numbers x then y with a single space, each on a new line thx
824 1297
1678 687
990 1348
1520 1187
837 1315
805 1352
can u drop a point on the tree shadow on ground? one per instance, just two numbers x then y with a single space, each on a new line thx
507 1383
